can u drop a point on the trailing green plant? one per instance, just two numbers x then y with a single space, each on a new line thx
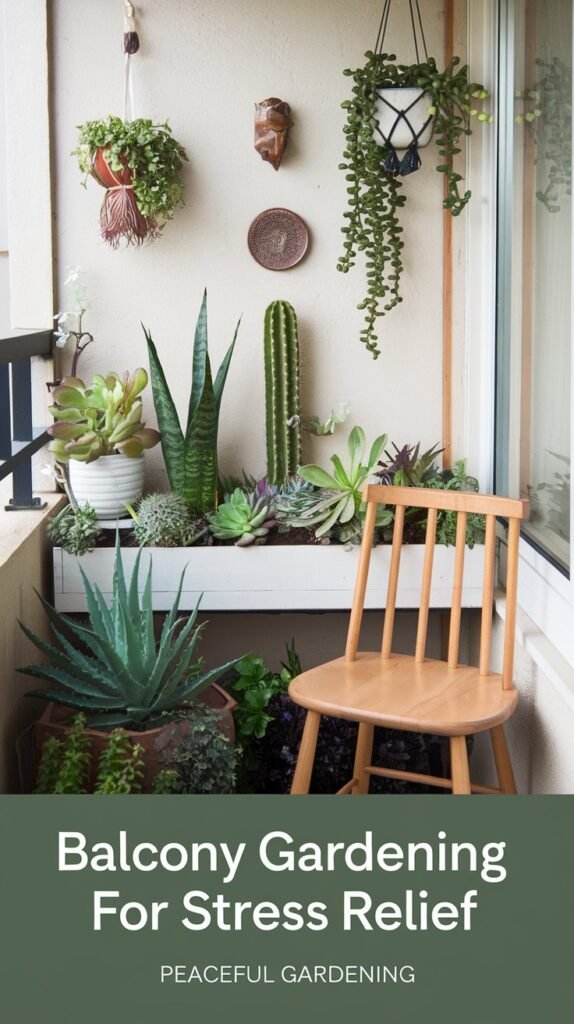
120 767
153 156
548 109
164 520
205 761
102 418
255 686
191 458
127 678
282 403
338 502
75 532
243 518
373 226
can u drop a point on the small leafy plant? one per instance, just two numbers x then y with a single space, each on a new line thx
127 678
255 687
205 761
154 159
102 418
120 767
245 519
191 458
75 532
372 220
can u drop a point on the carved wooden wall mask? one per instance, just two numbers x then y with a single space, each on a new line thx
272 124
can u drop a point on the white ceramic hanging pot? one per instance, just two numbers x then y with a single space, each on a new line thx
402 115
108 484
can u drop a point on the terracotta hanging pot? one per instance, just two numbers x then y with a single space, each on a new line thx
120 216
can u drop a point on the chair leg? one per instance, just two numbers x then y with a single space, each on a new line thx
363 756
306 758
502 760
459 765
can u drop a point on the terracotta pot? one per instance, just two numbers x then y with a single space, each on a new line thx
104 174
157 743
120 216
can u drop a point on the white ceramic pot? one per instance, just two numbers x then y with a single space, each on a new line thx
393 128
108 484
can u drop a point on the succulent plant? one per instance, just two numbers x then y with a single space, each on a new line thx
244 518
405 467
191 458
126 678
282 405
100 419
164 520
75 532
338 502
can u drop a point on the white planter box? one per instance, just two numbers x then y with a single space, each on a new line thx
271 578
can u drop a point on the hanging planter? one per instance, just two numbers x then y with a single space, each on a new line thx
394 110
137 162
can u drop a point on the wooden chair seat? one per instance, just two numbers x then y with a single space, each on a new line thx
416 693
400 693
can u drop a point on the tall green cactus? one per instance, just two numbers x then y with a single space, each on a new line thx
282 407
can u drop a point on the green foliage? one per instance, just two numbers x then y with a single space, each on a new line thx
244 518
100 419
457 479
406 467
254 687
164 520
338 503
151 153
282 404
127 678
375 199
75 532
75 759
191 459
321 428
204 762
49 765
120 767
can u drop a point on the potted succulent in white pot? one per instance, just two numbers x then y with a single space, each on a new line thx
99 433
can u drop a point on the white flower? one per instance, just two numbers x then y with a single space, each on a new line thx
47 469
61 337
73 275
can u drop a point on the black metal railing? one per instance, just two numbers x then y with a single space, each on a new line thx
18 439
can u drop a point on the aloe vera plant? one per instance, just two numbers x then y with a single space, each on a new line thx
191 458
126 678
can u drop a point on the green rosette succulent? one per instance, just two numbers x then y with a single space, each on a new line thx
245 519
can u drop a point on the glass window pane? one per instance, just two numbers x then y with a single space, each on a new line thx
535 292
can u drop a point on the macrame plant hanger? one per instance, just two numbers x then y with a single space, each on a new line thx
120 216
411 160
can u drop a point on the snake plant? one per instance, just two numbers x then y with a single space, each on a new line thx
112 668
101 418
191 458
244 518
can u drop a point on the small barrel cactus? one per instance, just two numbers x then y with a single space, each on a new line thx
282 405
165 521
246 519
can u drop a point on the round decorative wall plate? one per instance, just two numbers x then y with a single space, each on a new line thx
278 239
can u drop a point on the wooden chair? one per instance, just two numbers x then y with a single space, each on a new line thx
416 693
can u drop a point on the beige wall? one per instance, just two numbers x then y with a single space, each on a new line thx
203 66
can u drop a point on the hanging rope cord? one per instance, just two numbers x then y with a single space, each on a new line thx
411 162
131 46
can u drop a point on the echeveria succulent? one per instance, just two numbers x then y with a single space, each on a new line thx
103 418
246 519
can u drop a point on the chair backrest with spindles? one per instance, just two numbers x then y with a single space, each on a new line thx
462 504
